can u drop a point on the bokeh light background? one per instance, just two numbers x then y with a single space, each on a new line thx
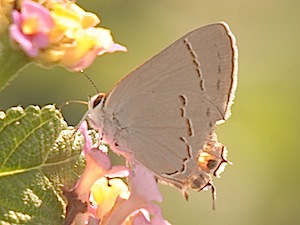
263 185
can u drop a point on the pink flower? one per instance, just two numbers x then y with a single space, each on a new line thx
60 33
89 57
91 42
30 27
112 201
98 167
143 191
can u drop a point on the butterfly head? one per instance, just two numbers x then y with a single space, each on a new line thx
96 100
95 109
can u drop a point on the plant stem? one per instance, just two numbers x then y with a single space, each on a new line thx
11 61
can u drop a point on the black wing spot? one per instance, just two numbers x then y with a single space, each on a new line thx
195 62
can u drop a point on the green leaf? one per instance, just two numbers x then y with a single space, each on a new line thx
39 154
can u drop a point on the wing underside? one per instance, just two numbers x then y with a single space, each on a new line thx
170 105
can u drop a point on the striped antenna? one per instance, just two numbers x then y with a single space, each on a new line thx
91 81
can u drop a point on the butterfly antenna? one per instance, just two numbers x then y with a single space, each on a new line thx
70 102
91 81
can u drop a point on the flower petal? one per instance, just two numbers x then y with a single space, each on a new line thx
116 48
105 193
16 18
140 219
143 216
143 184
40 40
82 63
34 10
83 128
24 41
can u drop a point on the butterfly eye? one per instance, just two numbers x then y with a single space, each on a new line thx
100 98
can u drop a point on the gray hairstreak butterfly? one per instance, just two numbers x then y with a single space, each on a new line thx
165 111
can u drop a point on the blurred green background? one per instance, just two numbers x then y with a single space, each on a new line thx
263 185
